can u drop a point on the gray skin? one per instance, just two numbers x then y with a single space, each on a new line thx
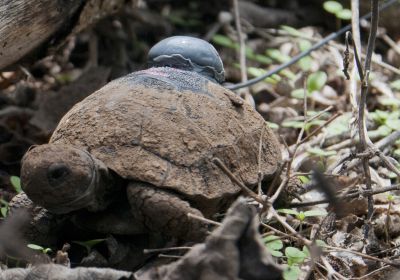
145 143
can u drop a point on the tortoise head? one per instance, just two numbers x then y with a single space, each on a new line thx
62 178
188 53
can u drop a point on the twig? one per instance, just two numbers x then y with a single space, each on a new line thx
366 276
150 251
293 154
391 43
331 271
365 142
218 162
384 142
169 256
205 220
331 248
347 196
304 240
318 129
277 231
260 173
242 46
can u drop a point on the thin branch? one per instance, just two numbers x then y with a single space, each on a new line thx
160 250
218 162
347 196
242 46
202 219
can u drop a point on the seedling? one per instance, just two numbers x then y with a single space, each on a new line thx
3 208
315 82
391 198
16 183
301 216
295 258
39 248
89 244
274 245
337 9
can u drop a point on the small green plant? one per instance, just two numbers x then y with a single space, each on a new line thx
16 183
320 152
300 124
225 41
3 208
337 9
315 82
274 244
390 119
301 216
391 198
295 258
89 244
39 248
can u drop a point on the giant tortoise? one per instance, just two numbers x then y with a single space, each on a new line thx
150 138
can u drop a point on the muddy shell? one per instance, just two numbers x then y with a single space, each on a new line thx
163 126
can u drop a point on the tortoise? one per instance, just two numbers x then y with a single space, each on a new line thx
149 138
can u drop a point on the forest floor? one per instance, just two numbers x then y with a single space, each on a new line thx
326 230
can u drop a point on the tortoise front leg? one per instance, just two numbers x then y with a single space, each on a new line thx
164 212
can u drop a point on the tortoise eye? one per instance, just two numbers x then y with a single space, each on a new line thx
56 173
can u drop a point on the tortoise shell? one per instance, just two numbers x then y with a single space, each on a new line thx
163 126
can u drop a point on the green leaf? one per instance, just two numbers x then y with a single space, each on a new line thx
16 183
304 45
306 251
299 93
379 116
395 85
47 250
277 254
294 255
288 211
4 211
344 14
292 31
389 101
320 243
301 216
304 179
332 7
382 131
289 74
273 242
277 55
90 243
305 63
320 152
291 273
339 126
3 202
393 123
256 72
316 81
262 59
293 124
223 41
35 247
313 213
273 125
